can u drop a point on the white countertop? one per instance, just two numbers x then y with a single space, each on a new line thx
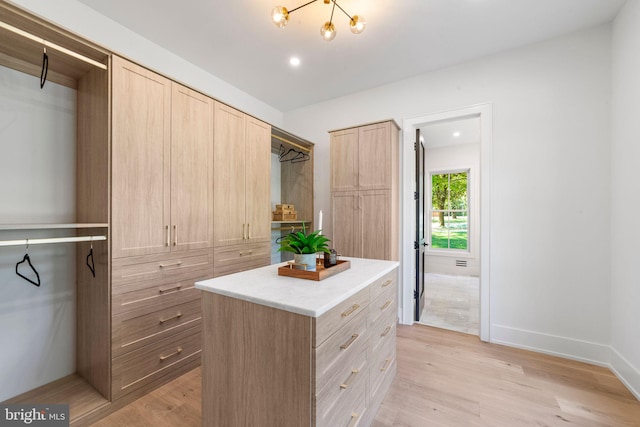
307 297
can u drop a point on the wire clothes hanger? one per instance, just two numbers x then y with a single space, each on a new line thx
298 156
45 68
28 260
90 262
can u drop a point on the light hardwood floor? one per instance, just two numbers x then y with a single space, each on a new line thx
448 379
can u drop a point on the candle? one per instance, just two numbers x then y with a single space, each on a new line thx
320 222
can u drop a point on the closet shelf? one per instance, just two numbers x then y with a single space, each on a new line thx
4 227
291 222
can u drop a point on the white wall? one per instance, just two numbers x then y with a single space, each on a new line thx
456 158
83 20
550 264
37 185
625 197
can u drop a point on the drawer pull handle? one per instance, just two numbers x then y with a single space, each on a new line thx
386 304
351 309
354 419
175 353
386 331
387 361
346 383
348 343
173 264
175 288
177 316
387 283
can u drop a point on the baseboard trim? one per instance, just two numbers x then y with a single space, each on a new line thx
570 348
626 372
555 345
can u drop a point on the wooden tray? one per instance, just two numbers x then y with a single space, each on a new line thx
321 273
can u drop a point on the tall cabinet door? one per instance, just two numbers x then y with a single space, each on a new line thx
191 169
344 160
229 176
258 180
374 156
374 217
141 137
345 223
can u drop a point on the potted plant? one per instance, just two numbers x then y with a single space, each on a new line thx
304 247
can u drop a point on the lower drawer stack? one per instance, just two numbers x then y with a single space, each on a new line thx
156 318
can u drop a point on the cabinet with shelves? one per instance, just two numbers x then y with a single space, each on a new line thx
365 190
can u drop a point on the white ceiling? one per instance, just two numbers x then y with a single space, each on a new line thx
236 41
451 132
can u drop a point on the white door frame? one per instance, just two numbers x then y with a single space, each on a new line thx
485 112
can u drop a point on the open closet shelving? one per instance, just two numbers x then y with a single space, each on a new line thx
296 184
84 67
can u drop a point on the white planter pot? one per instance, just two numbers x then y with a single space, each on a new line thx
308 259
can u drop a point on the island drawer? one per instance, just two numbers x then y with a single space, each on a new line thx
383 331
341 386
145 365
137 272
135 329
339 315
350 412
383 304
385 282
341 348
381 362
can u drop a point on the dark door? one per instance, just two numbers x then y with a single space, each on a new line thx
419 243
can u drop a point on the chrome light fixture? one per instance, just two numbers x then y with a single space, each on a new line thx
280 18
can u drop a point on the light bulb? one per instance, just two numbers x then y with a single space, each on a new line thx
357 24
280 16
328 31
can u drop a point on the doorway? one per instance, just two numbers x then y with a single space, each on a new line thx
477 227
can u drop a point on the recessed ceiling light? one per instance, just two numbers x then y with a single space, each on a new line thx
294 61
456 134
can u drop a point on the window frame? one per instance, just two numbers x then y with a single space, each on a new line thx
448 251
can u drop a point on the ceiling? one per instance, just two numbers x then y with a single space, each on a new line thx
451 132
236 41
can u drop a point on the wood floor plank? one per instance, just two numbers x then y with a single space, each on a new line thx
447 379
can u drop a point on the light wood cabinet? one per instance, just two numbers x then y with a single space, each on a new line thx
365 191
162 168
141 149
361 157
242 147
242 177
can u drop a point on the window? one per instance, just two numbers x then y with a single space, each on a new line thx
450 211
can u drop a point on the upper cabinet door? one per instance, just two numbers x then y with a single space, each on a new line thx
258 180
191 169
344 160
141 133
229 176
374 157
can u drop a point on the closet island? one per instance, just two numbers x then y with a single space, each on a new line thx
291 352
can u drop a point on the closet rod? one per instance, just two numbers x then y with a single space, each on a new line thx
24 242
291 143
51 45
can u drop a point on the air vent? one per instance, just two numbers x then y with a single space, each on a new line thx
461 263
